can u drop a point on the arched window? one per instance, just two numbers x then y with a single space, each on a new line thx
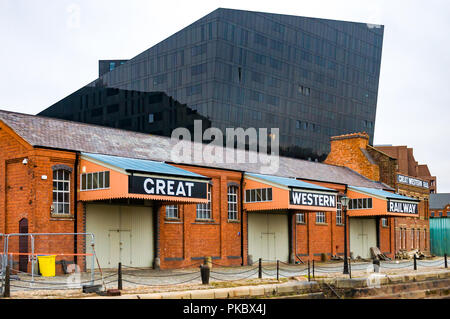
61 191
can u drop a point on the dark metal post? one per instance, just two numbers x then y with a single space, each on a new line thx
309 271
119 277
6 292
345 272
313 269
260 268
415 262
350 268
278 270
445 261
204 273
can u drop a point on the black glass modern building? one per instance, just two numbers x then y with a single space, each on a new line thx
311 78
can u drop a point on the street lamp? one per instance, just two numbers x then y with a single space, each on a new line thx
344 202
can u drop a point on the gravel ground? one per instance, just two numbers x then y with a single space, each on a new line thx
149 280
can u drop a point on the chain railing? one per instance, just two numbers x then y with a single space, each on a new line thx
145 277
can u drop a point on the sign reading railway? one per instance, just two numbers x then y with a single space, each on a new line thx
166 187
312 199
402 207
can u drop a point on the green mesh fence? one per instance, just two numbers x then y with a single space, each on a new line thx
440 236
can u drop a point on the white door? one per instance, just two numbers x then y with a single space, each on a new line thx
363 236
122 234
268 236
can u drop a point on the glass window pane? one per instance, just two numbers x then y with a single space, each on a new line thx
95 181
101 180
264 194
89 178
106 179
83 182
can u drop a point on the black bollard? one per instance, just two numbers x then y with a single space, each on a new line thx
415 262
119 277
350 267
313 270
278 270
445 261
260 268
6 292
204 272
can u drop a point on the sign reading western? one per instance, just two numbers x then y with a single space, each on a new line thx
402 179
166 187
402 207
312 199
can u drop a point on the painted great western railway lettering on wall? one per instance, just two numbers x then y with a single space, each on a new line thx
402 179
312 199
402 207
166 187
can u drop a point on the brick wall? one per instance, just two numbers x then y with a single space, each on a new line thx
188 240
346 150
24 193
313 239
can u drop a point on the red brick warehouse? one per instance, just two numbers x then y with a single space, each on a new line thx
146 211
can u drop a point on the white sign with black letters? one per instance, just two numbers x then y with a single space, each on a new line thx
312 199
402 207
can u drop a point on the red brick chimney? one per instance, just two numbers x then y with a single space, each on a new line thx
350 151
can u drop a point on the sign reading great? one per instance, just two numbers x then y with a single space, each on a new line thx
312 199
402 179
402 207
166 187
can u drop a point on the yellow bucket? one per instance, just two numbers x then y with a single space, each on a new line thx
47 265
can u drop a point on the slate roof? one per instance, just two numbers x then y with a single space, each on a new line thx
88 138
439 201
141 165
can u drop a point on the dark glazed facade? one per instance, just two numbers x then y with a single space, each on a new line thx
312 78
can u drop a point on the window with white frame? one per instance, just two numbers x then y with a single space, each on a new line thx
233 203
172 212
93 181
412 239
301 218
204 210
258 195
321 218
61 192
384 222
400 238
339 218
360 203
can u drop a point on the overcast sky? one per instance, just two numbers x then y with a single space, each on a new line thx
49 49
